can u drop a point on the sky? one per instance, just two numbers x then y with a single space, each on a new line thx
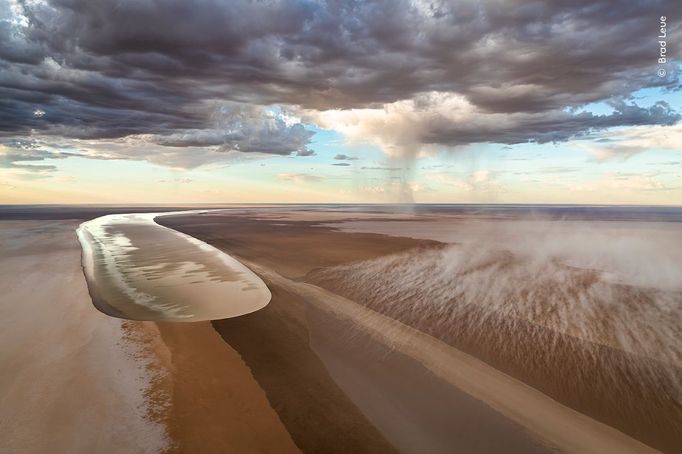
206 101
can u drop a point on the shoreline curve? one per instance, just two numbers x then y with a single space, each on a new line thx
138 269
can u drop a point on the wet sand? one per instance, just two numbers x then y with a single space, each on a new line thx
215 404
258 240
339 389
274 343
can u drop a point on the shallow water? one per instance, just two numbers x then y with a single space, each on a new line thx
137 269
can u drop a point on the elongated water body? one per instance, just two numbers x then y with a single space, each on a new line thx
137 269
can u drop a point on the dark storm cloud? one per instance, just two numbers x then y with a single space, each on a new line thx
109 69
555 126
246 128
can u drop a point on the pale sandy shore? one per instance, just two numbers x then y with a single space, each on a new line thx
70 380
75 380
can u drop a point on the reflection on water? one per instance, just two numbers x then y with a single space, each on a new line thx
139 270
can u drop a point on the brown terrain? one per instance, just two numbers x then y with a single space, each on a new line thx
601 382
327 366
75 380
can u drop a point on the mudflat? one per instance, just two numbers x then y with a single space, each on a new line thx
300 251
345 357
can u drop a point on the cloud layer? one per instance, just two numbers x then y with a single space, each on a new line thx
406 73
